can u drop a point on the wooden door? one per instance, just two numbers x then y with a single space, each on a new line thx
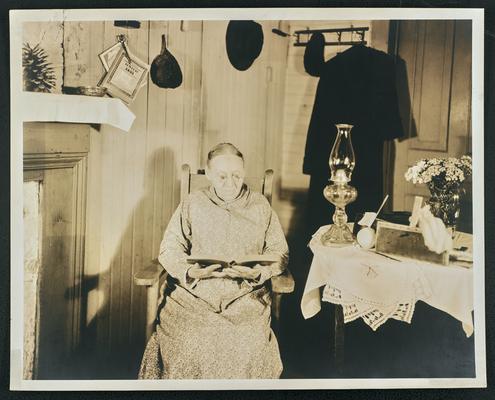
435 100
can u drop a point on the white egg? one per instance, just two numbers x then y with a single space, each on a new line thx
366 238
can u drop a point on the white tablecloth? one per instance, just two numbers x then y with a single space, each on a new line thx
376 288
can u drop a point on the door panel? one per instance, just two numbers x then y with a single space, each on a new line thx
435 101
433 60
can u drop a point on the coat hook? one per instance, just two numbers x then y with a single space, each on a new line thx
282 33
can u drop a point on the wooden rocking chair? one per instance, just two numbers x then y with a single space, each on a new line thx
154 276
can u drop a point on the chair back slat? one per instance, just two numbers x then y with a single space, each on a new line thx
194 181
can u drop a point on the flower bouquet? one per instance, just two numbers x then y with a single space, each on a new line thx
444 178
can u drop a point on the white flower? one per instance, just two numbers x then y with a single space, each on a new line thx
449 169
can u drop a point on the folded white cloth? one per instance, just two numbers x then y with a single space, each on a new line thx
74 108
376 288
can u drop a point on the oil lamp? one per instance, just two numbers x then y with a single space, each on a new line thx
338 191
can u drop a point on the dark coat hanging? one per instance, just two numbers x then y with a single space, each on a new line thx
356 87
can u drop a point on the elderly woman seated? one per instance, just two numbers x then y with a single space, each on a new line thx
214 321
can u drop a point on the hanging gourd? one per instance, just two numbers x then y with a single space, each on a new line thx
165 70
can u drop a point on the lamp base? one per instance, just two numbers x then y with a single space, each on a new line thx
337 235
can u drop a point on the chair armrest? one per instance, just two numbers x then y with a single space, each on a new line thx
283 283
149 275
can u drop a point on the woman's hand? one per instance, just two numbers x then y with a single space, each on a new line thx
240 271
211 271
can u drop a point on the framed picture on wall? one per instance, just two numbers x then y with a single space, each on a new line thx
107 57
125 76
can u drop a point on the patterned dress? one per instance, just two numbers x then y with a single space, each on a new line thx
217 328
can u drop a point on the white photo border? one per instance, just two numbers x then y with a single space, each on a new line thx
17 17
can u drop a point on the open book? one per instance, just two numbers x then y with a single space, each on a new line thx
246 260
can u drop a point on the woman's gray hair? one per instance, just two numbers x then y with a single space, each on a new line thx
223 149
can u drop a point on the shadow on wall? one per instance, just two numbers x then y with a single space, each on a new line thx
112 344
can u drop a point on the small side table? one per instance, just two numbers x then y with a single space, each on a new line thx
364 284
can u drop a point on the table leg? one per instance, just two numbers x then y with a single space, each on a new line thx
339 339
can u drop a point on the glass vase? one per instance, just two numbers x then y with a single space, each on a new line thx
445 203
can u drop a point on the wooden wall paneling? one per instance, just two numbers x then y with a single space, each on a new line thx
136 149
276 75
133 167
191 138
233 101
113 154
263 101
207 106
82 44
300 90
173 129
83 41
216 81
155 116
460 106
460 137
50 36
233 106
156 151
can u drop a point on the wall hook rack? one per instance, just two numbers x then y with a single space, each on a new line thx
306 34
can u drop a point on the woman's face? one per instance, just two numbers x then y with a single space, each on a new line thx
226 174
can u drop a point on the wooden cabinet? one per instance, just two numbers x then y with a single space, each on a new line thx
55 156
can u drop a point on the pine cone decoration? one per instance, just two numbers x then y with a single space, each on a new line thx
39 75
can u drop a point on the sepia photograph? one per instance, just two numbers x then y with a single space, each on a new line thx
247 199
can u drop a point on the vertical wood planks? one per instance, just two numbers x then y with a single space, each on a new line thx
276 75
133 177
112 227
234 102
191 69
132 200
174 128
157 116
82 44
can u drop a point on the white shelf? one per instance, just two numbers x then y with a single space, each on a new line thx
49 107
